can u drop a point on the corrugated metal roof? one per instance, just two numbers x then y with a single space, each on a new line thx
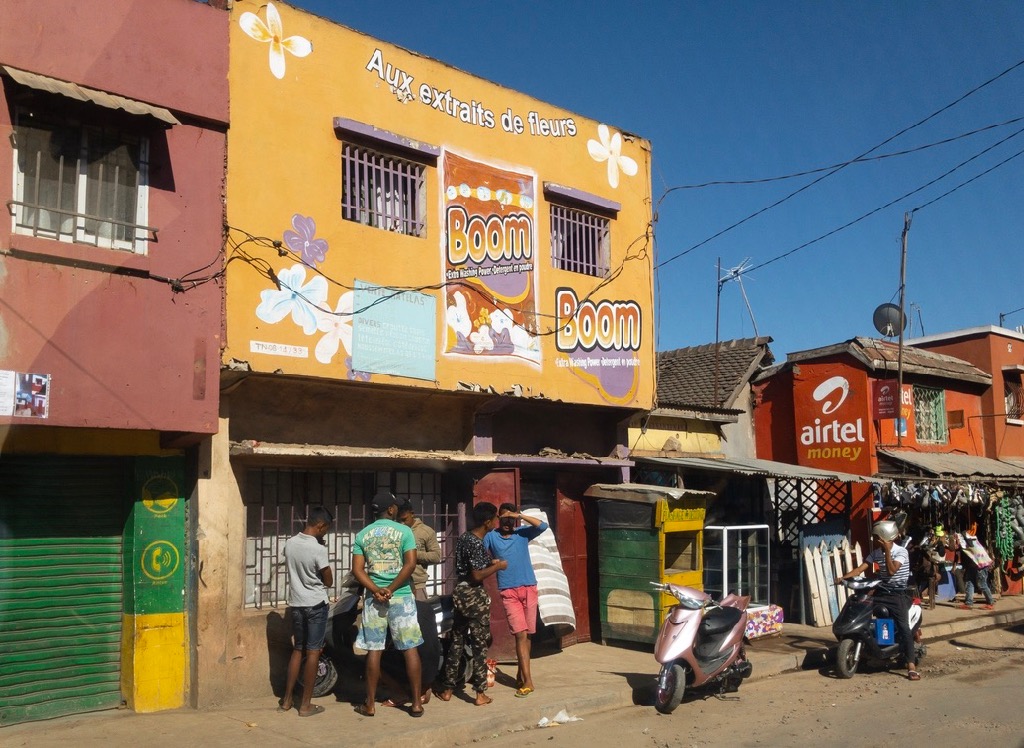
955 465
82 93
253 449
883 356
640 492
754 466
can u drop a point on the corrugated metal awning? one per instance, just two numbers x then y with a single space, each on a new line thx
641 492
947 464
82 93
754 466
331 452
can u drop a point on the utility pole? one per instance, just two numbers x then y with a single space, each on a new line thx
901 422
718 314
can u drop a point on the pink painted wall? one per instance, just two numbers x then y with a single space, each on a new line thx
122 349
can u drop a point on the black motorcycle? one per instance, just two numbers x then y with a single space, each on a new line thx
435 619
856 629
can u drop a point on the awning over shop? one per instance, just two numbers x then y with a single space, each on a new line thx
640 492
950 465
754 466
311 452
82 93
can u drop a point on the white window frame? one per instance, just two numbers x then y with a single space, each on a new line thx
79 232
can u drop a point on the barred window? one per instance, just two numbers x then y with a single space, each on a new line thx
1014 394
276 503
930 415
383 191
80 182
579 241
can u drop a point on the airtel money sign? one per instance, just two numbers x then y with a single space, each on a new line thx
830 421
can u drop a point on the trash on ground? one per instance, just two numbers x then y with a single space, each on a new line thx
559 719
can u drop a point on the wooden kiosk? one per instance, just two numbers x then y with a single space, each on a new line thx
645 534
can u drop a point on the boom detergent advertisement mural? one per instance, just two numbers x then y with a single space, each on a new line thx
489 261
599 342
832 419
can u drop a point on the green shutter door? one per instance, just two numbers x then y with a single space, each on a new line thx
61 526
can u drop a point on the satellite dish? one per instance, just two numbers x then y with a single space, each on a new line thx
889 320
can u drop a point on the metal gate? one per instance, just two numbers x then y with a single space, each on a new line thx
61 526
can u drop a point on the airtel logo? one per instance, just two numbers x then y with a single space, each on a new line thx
827 389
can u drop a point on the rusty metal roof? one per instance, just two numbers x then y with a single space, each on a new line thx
883 356
955 465
754 466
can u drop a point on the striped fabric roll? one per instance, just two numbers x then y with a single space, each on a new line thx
554 603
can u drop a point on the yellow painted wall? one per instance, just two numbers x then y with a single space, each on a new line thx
154 657
694 436
284 160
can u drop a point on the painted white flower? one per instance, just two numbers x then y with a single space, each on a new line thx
458 315
501 321
610 149
481 340
273 33
337 329
294 297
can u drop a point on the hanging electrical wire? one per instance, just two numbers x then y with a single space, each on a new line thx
830 172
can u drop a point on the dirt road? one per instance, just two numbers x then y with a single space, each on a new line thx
971 693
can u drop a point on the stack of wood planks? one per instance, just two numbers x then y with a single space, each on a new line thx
822 567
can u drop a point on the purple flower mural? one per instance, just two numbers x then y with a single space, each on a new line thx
361 376
302 241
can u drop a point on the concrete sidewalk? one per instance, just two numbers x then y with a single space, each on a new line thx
580 680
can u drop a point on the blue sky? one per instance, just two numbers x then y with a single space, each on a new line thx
751 90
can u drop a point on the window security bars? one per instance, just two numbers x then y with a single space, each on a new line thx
930 415
382 191
1014 400
277 500
81 184
579 241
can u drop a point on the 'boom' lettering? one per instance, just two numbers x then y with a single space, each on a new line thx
493 238
609 325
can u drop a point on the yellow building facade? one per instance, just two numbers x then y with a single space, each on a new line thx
436 286
396 220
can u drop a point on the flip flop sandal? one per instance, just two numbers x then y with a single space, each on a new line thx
315 709
913 675
416 713
388 702
362 711
280 707
522 693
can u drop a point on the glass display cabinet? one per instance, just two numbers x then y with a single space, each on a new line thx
737 559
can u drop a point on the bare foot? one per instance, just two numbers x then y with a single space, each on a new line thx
284 706
482 699
445 695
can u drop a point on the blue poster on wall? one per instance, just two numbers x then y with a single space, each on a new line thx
393 332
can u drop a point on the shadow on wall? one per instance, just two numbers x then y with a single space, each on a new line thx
279 651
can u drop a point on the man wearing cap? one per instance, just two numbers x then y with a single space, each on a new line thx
893 563
383 560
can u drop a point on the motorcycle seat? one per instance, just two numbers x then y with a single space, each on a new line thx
719 621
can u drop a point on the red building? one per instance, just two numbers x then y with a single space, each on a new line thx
837 407
112 146
1000 353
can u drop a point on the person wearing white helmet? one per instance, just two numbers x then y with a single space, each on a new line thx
893 563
